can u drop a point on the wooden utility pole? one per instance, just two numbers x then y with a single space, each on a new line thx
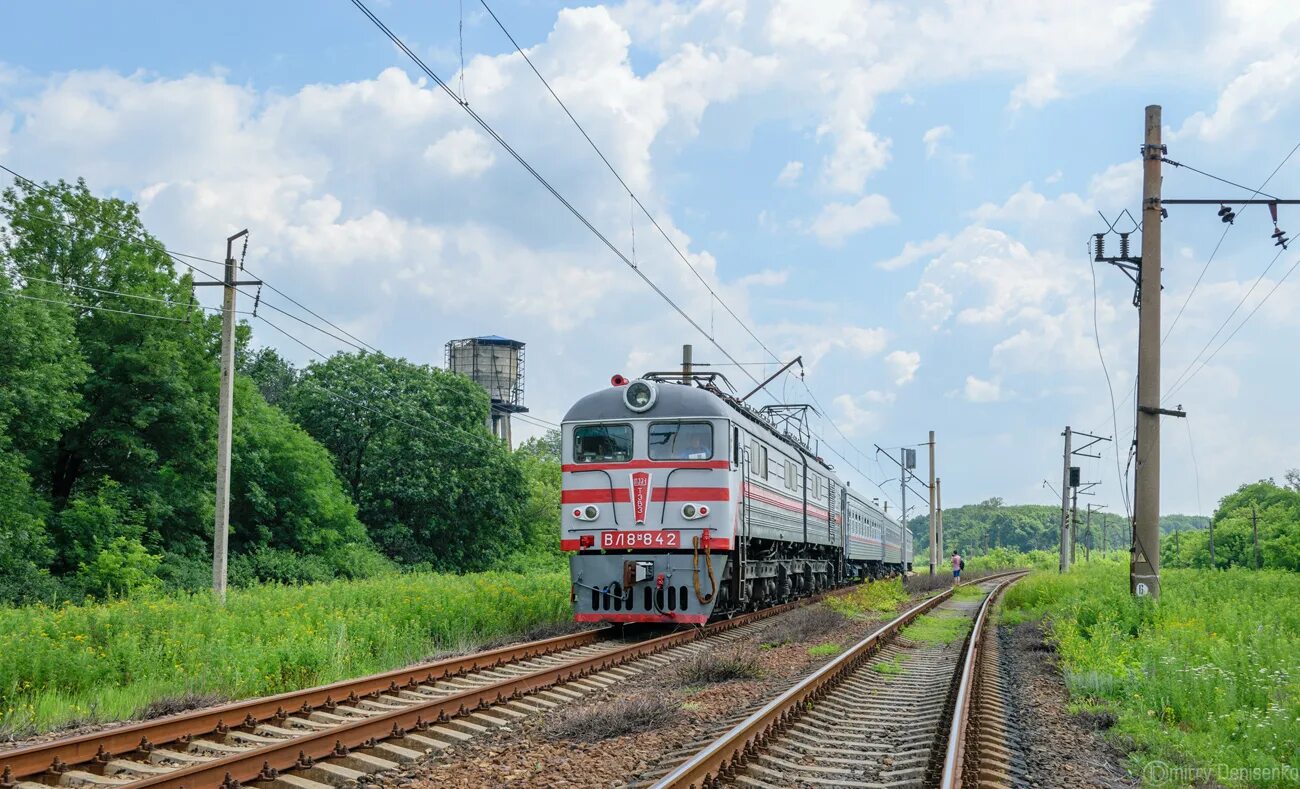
1144 557
1065 504
934 533
1212 564
225 416
1254 532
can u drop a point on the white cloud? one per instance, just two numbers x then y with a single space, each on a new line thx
767 278
981 391
863 414
933 137
1037 90
914 251
1250 100
790 174
461 152
838 221
902 366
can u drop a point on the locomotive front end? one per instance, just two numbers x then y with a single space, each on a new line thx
647 504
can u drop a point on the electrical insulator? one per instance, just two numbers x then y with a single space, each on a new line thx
1123 245
1279 238
1100 243
1227 214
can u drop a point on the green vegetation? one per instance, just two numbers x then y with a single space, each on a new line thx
892 667
870 598
825 650
979 529
1276 510
937 629
353 466
105 661
1208 676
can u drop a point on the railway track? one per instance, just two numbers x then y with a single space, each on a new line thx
899 708
336 734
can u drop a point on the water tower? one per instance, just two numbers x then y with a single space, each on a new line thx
497 365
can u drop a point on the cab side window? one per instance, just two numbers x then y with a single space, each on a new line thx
758 460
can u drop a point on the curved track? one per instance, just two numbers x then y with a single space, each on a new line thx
884 713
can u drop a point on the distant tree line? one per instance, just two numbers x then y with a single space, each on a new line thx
978 529
108 378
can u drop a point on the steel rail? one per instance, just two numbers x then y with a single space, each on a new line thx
734 748
955 754
36 759
302 751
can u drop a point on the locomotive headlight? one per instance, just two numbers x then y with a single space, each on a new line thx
694 512
591 512
688 510
640 395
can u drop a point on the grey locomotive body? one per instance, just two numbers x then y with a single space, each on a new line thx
681 503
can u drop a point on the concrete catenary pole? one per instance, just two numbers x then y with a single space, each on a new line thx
225 423
1254 532
687 366
934 533
1144 557
1065 505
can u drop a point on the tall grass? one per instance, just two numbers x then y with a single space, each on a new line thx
1208 677
108 661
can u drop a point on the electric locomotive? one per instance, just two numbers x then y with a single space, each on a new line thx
681 504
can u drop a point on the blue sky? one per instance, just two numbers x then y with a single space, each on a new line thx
900 192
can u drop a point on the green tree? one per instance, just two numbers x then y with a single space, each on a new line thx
413 449
273 374
149 418
539 459
285 493
40 372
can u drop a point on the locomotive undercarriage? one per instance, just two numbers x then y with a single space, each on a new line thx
777 572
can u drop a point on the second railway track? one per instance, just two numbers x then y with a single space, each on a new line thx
335 734
890 711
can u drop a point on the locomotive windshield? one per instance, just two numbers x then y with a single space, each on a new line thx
602 443
681 441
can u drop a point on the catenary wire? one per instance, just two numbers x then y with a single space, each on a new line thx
1250 315
681 255
93 307
1254 193
1181 378
663 233
487 127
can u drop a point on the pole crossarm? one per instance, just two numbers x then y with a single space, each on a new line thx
880 451
1229 201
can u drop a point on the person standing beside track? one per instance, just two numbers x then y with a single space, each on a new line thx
957 564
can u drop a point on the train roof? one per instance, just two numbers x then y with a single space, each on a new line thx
674 401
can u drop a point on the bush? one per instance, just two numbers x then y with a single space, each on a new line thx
803 624
121 569
710 665
625 716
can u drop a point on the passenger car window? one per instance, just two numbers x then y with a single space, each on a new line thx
681 441
602 443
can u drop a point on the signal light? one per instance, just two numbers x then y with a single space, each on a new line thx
618 380
577 513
